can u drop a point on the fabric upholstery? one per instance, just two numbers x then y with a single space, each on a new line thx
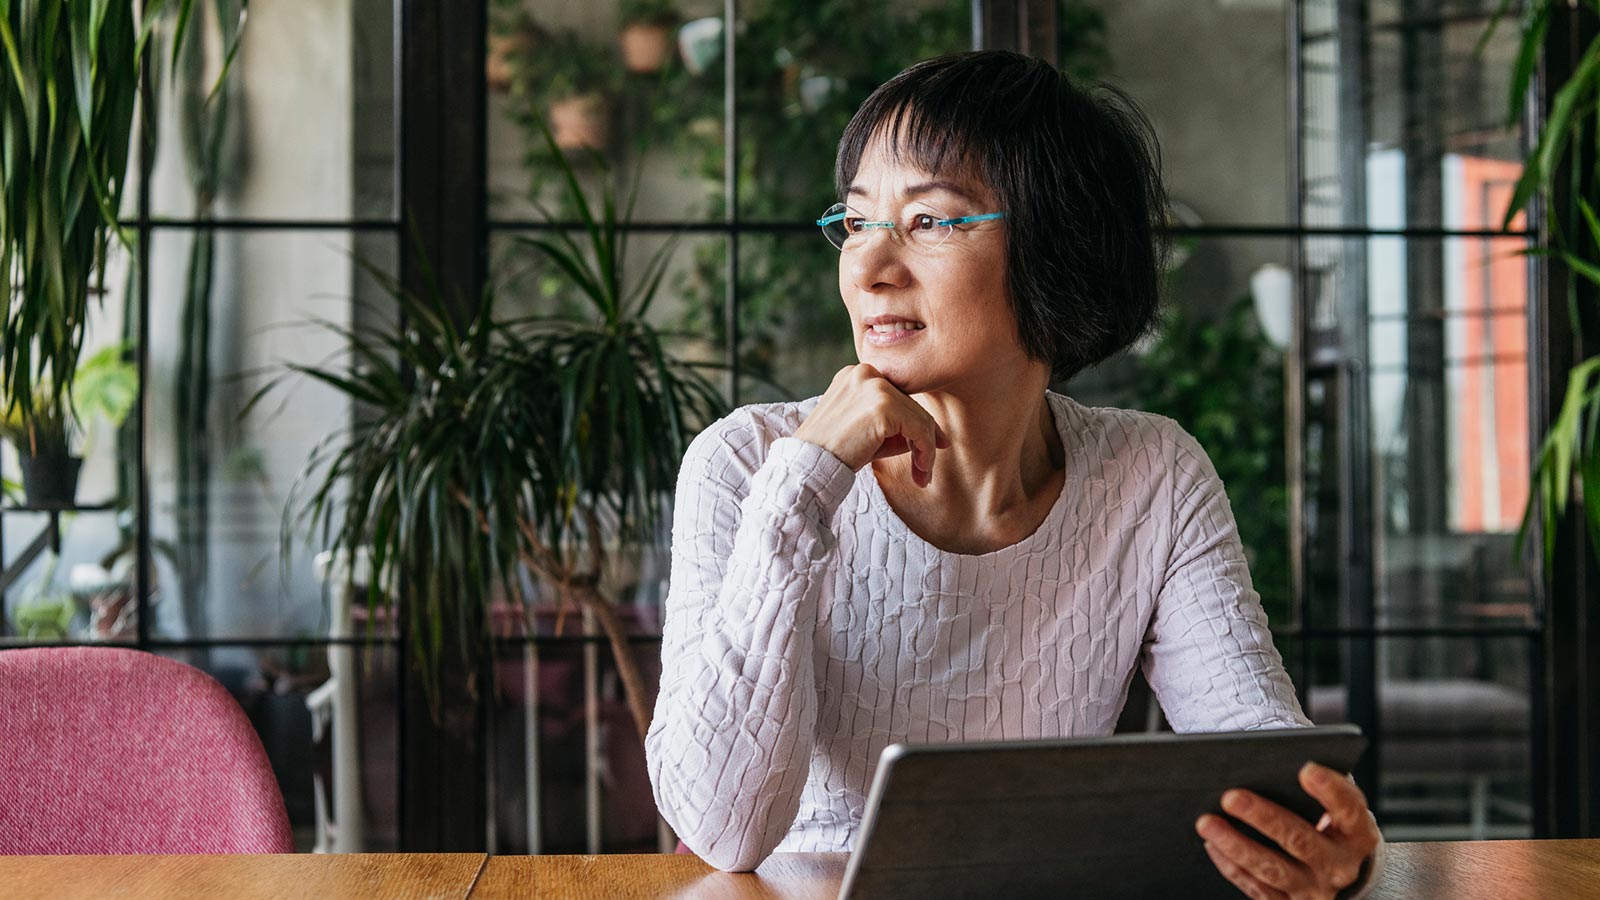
106 750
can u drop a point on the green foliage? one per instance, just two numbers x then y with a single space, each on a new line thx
69 77
1223 382
1570 451
485 444
104 388
658 12
787 141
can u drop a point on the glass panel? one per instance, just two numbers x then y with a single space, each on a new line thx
220 483
1448 395
687 307
1221 123
304 127
1427 125
331 741
1454 744
640 87
803 69
794 330
67 560
583 786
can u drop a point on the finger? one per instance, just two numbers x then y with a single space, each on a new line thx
1339 795
1294 834
942 440
893 446
1267 866
1241 879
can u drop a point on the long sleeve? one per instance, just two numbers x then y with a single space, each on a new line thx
1208 654
728 749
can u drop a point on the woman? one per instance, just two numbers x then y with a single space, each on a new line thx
939 548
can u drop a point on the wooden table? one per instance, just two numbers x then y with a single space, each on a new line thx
327 877
1485 870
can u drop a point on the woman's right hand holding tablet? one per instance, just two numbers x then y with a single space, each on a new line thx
863 417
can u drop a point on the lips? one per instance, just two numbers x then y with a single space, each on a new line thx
882 331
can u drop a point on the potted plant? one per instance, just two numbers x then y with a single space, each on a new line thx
69 78
507 445
646 40
104 387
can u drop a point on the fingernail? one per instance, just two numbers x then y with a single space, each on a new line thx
1235 801
1203 826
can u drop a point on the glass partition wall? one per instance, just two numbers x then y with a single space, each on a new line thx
1348 337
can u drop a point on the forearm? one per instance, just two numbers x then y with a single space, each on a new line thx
729 747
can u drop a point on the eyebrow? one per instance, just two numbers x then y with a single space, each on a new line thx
923 187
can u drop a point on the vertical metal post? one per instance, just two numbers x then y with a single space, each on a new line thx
730 189
1355 434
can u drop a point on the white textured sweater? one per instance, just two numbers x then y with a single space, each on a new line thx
807 627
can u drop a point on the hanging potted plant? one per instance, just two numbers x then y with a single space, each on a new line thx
69 78
104 388
647 36
583 80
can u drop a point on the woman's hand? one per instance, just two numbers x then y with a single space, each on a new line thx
863 417
1321 860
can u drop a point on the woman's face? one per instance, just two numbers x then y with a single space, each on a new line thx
955 291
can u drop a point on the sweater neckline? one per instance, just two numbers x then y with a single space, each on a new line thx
880 501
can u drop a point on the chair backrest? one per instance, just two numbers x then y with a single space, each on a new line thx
107 750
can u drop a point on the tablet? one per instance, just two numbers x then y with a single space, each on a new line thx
1090 817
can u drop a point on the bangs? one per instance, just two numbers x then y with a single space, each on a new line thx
922 122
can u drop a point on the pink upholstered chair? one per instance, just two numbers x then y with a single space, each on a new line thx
107 750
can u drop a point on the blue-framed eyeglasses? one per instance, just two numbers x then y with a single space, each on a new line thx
847 229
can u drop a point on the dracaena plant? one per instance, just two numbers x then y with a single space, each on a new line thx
69 79
507 444
1569 455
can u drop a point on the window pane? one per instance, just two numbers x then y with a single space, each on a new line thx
303 128
1221 115
1454 743
71 558
794 329
646 94
220 483
1448 391
1427 126
803 69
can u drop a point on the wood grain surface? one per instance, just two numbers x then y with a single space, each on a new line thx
411 876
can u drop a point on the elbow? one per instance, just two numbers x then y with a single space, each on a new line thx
728 855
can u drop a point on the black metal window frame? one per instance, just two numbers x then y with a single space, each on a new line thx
440 188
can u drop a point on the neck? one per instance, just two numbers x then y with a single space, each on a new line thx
1004 448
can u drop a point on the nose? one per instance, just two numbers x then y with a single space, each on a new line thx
878 261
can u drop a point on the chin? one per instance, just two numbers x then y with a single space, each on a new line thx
897 372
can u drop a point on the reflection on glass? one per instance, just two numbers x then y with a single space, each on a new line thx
1453 744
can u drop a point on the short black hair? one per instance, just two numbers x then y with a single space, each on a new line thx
1075 165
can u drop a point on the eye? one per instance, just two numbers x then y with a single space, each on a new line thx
923 222
852 224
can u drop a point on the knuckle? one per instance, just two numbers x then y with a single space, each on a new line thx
1273 873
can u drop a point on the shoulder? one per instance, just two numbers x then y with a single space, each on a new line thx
1135 438
733 448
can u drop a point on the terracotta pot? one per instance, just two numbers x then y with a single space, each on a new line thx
497 69
581 121
645 46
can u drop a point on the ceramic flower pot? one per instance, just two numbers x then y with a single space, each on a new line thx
645 46
700 43
581 121
50 480
497 64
